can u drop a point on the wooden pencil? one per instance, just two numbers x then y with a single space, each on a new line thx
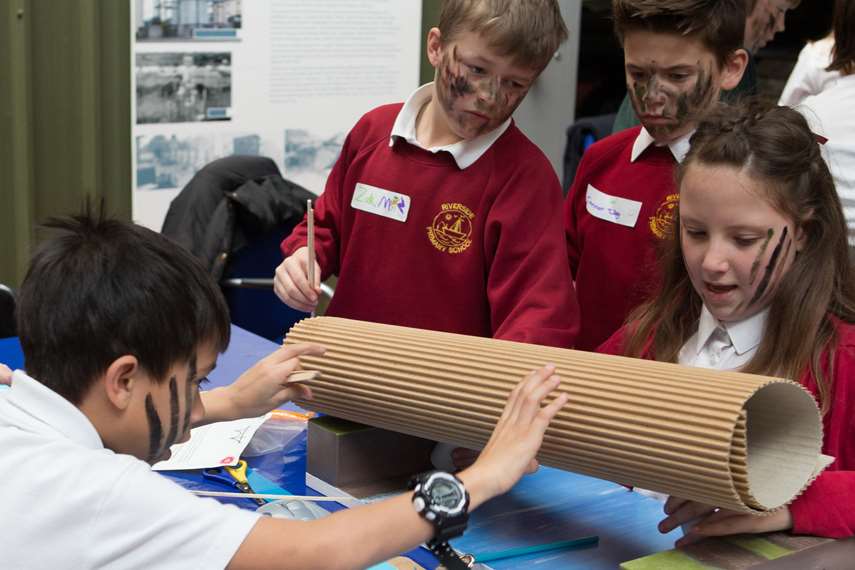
229 495
310 221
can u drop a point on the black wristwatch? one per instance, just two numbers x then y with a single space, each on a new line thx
443 501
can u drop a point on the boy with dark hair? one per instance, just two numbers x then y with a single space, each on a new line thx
440 214
763 19
119 327
679 55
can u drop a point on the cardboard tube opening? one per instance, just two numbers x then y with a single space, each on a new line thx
784 440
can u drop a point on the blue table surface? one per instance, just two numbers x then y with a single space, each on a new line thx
550 505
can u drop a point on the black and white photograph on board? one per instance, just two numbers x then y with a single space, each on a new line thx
183 87
187 20
168 160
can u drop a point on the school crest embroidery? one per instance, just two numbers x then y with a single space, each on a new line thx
662 221
451 230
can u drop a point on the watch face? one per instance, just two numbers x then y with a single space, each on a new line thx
445 494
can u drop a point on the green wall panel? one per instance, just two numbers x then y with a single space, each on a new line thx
430 19
65 127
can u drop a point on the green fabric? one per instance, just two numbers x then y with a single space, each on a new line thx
759 546
667 560
747 87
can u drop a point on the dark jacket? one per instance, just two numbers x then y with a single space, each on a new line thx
227 203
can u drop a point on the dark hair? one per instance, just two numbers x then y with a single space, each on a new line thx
101 288
530 31
776 146
718 24
843 53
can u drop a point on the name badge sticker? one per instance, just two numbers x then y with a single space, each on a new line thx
611 208
380 202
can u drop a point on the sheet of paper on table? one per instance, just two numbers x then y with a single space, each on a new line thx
213 445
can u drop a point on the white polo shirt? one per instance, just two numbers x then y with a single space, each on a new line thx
465 152
67 502
723 346
679 147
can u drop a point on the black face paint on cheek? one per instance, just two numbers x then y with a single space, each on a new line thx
756 265
495 103
188 391
692 103
640 90
770 268
782 261
155 430
458 84
173 414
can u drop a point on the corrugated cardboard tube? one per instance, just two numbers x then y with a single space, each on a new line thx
744 442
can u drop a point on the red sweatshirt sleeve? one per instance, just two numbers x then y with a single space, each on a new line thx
827 507
327 215
529 288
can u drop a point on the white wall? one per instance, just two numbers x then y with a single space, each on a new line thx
549 107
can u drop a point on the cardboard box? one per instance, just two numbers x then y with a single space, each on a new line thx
361 459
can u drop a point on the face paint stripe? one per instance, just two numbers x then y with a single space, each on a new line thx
690 105
188 392
767 276
155 429
457 82
756 265
173 414
780 269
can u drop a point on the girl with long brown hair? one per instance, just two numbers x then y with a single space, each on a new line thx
756 278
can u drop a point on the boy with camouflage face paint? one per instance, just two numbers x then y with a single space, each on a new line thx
764 19
440 214
679 55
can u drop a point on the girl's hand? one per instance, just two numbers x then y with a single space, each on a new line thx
707 521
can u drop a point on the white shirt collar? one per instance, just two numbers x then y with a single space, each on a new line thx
41 409
745 334
679 148
465 152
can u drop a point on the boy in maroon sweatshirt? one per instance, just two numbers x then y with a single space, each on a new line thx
439 213
679 55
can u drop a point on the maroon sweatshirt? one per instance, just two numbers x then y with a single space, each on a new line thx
481 251
612 257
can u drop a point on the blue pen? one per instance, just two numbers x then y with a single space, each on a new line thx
548 547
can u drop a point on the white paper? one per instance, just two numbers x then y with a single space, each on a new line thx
213 445
286 79
612 208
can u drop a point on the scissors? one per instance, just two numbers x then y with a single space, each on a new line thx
232 477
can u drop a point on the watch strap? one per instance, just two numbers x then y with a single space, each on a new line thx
446 555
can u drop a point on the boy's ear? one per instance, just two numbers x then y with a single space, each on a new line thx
120 379
434 46
734 67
